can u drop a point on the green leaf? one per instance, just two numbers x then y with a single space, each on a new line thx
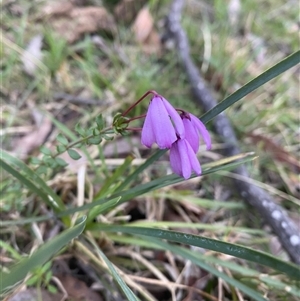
41 170
61 162
257 82
117 176
31 186
80 130
208 243
100 122
35 161
127 291
39 257
94 212
210 269
49 161
132 177
142 189
61 148
73 154
46 151
94 140
62 139
35 179
243 271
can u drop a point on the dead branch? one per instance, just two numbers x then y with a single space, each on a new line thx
273 214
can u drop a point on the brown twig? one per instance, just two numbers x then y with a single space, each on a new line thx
273 214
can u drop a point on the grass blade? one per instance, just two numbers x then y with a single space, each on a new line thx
144 188
257 82
193 258
126 290
208 243
34 177
40 257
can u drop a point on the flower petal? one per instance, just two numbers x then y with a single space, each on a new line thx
175 160
184 158
147 136
178 124
194 162
162 126
202 129
191 134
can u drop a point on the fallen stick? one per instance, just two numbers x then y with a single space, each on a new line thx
274 215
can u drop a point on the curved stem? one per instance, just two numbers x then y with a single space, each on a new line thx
137 102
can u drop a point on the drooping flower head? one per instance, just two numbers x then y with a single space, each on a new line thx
163 125
194 129
183 159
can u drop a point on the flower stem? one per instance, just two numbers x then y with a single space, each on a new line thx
81 140
137 102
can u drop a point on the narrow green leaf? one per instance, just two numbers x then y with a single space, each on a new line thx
61 148
243 271
127 291
74 154
94 140
11 250
46 151
61 162
116 176
194 259
208 243
94 212
34 177
80 130
132 177
39 257
32 187
137 191
62 139
257 82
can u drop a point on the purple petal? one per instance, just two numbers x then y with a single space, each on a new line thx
194 162
191 134
184 158
175 160
202 129
147 136
178 124
162 126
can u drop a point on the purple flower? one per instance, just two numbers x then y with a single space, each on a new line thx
183 159
163 125
194 128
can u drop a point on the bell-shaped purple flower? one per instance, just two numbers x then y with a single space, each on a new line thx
163 125
183 159
194 129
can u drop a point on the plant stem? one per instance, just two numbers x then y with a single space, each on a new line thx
137 102
81 140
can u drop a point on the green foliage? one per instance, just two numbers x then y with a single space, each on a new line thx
56 53
28 183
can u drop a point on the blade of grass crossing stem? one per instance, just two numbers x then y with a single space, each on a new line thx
207 243
40 256
34 177
141 168
118 173
193 258
94 212
257 82
127 291
134 192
